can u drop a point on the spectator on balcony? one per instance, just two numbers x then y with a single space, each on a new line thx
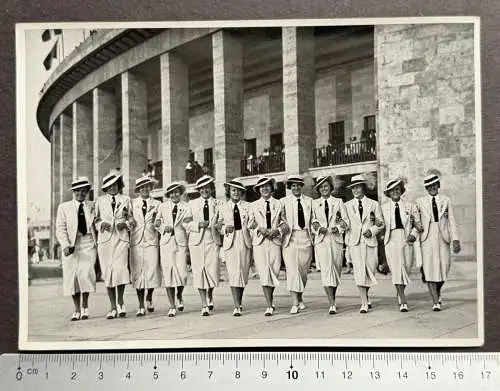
206 170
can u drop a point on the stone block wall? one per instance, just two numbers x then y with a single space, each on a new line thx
426 106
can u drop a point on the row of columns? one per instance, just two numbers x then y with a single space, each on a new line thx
84 139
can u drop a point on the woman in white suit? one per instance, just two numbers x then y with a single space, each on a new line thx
330 221
76 234
297 240
366 221
144 250
173 244
439 233
266 216
401 219
237 243
114 219
204 242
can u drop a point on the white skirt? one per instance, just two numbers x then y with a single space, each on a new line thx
399 256
173 260
78 268
328 255
436 259
145 271
297 256
113 257
238 261
364 262
267 256
205 264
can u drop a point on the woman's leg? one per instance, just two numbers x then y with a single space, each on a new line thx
203 297
112 297
76 301
120 290
268 294
235 294
329 295
400 289
171 296
140 297
85 299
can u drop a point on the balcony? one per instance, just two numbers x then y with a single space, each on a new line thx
157 174
194 171
275 162
333 155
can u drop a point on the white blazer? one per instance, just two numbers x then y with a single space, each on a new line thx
447 222
289 203
359 225
165 216
406 210
67 222
144 232
226 213
335 205
195 233
104 213
258 214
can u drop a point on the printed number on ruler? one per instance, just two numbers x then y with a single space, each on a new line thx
409 371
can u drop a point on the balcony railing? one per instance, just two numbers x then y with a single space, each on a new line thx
333 155
275 162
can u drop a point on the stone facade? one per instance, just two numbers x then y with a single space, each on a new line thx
425 119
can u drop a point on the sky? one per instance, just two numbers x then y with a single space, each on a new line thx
38 147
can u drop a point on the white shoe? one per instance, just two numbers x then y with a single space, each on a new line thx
363 309
150 306
111 314
141 312
85 313
269 311
237 311
205 311
211 305
294 310
332 310
436 307
171 312
403 308
122 312
76 316
180 306
302 306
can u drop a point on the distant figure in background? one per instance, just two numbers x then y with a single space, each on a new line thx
439 232
145 272
114 219
76 234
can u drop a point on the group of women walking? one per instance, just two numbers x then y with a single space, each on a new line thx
146 242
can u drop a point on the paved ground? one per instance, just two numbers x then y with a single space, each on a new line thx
49 312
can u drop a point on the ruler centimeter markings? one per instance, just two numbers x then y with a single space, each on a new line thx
247 370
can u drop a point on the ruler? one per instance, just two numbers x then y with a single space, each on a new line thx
247 371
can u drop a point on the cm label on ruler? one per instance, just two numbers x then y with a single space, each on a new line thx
247 370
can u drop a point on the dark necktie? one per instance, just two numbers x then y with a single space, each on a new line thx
113 203
144 208
435 210
360 207
82 223
237 218
206 212
399 222
174 213
300 210
327 211
268 215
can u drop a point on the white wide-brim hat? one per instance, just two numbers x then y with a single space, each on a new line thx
431 179
203 181
323 179
80 182
392 183
235 183
357 180
174 185
142 181
262 181
110 179
295 179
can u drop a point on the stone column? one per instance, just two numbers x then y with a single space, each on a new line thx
55 146
298 98
82 140
227 55
134 128
66 157
104 118
174 117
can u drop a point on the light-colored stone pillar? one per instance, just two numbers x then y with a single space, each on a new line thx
298 98
134 129
105 153
82 140
174 117
55 148
227 55
66 157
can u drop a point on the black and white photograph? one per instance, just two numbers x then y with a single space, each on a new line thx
250 184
